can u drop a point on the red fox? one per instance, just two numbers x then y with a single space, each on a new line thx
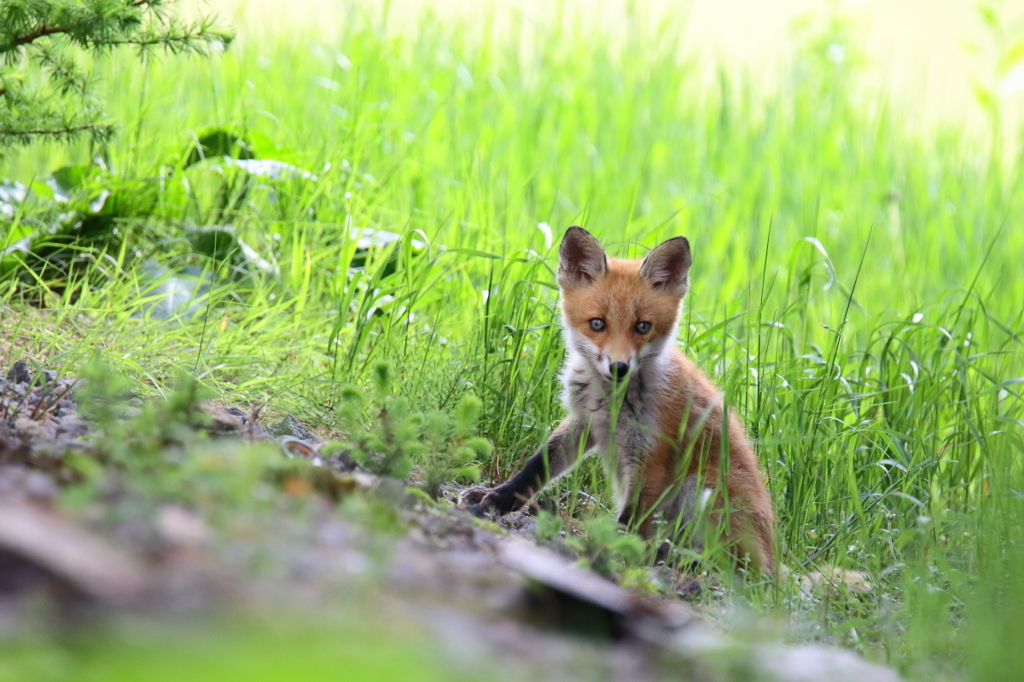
633 396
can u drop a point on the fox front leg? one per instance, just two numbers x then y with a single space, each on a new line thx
559 454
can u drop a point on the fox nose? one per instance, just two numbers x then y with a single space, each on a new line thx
618 369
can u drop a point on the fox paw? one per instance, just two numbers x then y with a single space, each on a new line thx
474 495
478 500
481 501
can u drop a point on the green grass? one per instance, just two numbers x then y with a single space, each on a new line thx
235 649
856 288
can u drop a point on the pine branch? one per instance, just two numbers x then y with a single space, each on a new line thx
202 33
167 41
95 26
37 34
53 132
17 136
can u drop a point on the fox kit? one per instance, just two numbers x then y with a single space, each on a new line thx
633 396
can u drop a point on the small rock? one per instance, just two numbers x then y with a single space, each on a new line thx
519 522
29 429
834 580
71 427
20 373
290 426
222 421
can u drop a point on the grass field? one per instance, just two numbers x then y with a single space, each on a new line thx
857 287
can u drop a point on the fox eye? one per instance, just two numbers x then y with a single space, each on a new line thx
597 324
642 327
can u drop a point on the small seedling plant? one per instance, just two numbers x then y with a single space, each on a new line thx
386 436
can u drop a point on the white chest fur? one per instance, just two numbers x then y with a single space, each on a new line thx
621 420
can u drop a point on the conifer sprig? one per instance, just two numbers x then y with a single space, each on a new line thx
45 92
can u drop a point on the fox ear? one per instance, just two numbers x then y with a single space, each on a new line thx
581 260
667 267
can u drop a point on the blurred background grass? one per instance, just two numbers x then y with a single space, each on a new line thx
922 56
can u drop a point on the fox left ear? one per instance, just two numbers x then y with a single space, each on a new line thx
581 259
667 267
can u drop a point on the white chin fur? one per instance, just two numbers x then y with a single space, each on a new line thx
652 351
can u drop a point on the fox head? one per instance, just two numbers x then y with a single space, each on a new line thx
620 314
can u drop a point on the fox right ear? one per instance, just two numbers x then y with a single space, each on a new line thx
581 260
